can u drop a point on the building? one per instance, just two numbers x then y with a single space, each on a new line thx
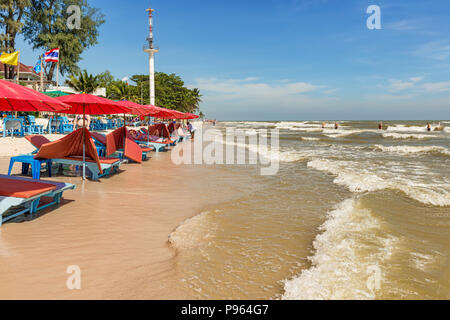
27 73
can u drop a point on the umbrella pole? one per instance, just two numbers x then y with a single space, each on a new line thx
84 144
148 131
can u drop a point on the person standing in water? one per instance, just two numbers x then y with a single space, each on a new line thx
323 125
380 125
336 125
191 129
428 127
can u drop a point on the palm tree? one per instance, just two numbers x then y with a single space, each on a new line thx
196 99
83 82
122 91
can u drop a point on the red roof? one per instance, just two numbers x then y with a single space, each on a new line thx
23 69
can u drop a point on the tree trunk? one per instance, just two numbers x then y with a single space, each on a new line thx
51 72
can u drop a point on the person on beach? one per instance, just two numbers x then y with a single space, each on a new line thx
191 129
428 127
323 125
336 125
79 121
380 125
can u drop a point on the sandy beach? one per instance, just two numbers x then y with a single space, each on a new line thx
115 230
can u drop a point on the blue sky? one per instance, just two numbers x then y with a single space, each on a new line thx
287 59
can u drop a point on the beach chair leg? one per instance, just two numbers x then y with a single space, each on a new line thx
95 176
25 168
11 164
49 168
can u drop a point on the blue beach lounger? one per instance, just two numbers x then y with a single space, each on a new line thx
19 196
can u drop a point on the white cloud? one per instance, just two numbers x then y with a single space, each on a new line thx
416 86
242 96
248 88
402 25
396 85
437 50
436 86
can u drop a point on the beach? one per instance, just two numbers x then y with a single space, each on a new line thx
354 213
115 230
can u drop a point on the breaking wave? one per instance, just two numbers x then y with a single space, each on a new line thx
339 270
361 180
405 136
414 149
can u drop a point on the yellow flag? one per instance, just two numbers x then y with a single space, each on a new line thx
10 58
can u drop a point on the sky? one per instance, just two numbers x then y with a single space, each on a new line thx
287 59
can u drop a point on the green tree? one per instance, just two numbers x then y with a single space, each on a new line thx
11 16
105 79
83 82
119 90
46 28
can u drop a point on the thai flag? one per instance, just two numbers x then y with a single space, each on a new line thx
52 55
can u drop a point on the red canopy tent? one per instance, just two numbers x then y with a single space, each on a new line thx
90 104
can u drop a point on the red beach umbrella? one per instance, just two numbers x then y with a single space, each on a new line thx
161 113
14 97
190 116
138 109
89 104
178 114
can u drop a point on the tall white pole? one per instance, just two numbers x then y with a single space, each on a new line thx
151 60
152 78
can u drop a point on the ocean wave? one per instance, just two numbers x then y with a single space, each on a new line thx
194 232
404 128
339 269
414 149
344 133
405 136
310 139
360 180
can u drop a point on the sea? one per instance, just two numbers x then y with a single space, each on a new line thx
353 213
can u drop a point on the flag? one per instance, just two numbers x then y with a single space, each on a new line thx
37 67
52 55
10 58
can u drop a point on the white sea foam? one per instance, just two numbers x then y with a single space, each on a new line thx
348 258
358 179
404 128
414 149
194 232
405 136
310 139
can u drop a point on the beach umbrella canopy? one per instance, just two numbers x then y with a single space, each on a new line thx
178 114
163 113
138 109
14 97
89 104
190 116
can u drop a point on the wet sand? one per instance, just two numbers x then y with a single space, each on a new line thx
115 230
